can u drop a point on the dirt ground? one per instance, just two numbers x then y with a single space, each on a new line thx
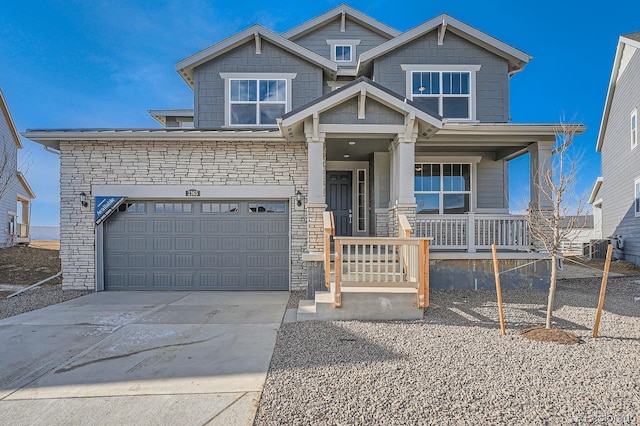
25 265
617 266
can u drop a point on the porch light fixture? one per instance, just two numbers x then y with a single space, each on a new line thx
299 198
83 199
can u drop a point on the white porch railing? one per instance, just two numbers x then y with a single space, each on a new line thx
473 231
382 262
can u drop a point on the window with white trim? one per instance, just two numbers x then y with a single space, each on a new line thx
343 53
634 128
445 90
636 197
442 188
256 101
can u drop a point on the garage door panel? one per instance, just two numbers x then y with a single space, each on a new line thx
184 226
162 243
162 226
209 246
162 260
209 243
137 226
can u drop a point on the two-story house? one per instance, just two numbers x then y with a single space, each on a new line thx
340 113
616 194
15 192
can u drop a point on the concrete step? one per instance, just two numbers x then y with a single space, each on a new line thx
359 305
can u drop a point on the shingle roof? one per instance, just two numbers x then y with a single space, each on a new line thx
633 36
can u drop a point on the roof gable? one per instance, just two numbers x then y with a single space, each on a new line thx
633 41
443 23
341 11
10 123
292 123
25 185
256 32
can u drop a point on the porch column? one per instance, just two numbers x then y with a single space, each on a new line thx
540 166
316 203
403 201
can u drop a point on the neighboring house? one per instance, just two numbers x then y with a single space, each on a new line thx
582 232
15 193
341 113
616 195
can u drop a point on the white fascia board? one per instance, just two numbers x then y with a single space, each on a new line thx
162 192
610 90
160 115
10 122
54 137
463 30
371 91
541 130
595 190
186 66
360 17
25 185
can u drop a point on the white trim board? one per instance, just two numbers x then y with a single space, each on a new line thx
206 192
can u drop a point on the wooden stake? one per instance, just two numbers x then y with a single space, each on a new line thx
603 289
496 272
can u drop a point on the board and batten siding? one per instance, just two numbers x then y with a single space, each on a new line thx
209 89
347 113
316 40
199 164
9 197
492 81
621 164
493 184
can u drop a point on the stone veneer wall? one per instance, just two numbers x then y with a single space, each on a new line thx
382 224
85 163
408 210
315 227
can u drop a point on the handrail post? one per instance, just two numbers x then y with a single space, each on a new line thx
338 292
423 274
471 233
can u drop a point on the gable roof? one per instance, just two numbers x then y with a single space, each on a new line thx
517 58
12 126
255 32
25 185
326 17
633 40
359 86
595 190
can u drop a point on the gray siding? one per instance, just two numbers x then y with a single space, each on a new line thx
316 41
209 86
492 84
493 184
347 113
621 164
8 196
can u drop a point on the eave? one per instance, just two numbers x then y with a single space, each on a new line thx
25 185
52 138
594 192
340 11
255 33
160 115
517 59
10 122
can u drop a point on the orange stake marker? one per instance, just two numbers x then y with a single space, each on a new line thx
498 291
603 289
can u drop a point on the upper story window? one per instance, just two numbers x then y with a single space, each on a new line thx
343 51
256 99
445 90
257 102
634 128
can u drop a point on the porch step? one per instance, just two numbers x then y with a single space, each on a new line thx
382 303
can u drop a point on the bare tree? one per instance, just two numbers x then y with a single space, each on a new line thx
563 213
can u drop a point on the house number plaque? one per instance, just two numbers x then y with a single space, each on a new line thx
192 193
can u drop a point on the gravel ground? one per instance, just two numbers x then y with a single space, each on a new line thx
454 367
36 298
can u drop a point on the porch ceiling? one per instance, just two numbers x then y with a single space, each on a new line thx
356 149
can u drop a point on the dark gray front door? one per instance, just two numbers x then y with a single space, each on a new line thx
197 245
339 201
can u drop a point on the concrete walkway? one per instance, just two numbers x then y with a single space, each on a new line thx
188 358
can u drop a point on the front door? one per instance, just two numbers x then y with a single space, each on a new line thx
339 201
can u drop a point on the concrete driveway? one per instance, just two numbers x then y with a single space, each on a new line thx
188 358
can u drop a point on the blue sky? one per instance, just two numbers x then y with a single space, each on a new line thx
96 64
